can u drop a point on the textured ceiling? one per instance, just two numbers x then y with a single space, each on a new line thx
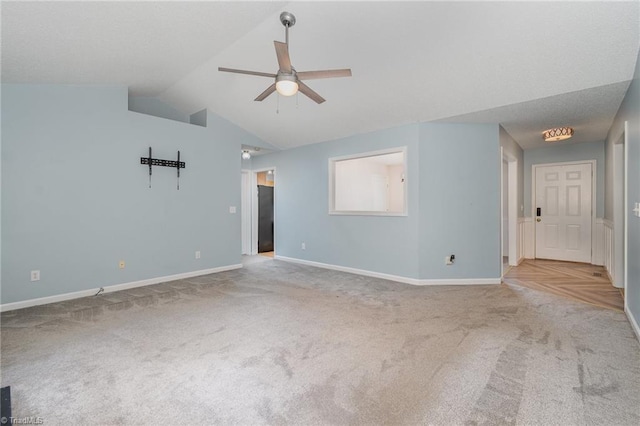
526 65
147 46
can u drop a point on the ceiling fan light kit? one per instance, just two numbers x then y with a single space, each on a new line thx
286 85
287 80
557 134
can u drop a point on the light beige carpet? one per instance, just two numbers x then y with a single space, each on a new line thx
277 343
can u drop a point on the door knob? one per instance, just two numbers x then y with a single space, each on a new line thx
538 220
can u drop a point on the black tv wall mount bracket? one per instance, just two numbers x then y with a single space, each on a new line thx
163 163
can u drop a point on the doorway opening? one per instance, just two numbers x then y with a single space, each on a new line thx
263 242
509 212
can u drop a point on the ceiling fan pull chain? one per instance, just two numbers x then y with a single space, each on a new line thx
278 104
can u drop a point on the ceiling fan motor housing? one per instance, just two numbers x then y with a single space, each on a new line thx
287 19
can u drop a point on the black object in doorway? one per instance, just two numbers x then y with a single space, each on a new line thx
5 404
265 218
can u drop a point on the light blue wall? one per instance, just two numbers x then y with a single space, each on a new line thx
246 164
460 168
565 153
630 111
511 147
75 198
380 244
453 180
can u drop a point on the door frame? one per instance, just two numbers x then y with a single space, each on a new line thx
254 208
512 207
534 170
621 208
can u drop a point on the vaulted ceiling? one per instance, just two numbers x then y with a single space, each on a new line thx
527 65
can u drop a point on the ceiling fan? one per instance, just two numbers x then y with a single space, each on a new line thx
288 80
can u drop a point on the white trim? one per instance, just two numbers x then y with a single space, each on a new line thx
116 287
594 182
461 281
626 221
619 209
609 255
512 208
397 278
512 170
634 323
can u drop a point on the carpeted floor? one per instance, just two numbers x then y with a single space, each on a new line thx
277 343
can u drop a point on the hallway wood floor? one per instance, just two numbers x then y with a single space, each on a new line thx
579 281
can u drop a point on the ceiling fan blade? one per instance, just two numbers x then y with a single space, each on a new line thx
306 90
282 52
266 93
261 74
311 75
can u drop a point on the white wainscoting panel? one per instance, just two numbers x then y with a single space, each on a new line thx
608 251
521 239
597 243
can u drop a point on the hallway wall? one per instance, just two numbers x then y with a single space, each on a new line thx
630 111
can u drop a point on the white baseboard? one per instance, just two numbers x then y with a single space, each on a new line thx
461 281
397 278
632 320
108 289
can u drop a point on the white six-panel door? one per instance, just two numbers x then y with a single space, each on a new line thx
563 227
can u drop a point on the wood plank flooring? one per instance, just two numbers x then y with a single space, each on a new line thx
579 281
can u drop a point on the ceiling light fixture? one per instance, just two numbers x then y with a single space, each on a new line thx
246 155
287 84
557 134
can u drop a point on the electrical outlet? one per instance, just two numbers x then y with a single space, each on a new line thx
121 264
303 246
35 275
198 254
449 259
232 209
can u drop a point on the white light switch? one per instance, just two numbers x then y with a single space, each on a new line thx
232 209
636 209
